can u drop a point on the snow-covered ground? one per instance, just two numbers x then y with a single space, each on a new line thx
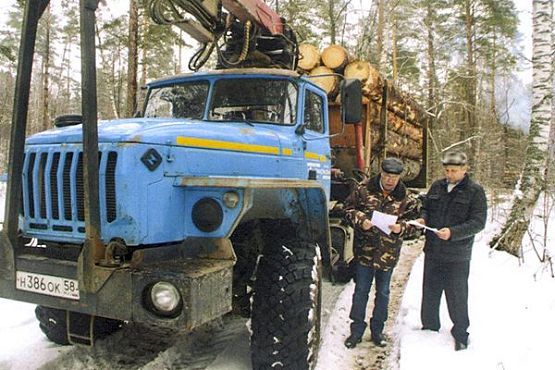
511 308
512 312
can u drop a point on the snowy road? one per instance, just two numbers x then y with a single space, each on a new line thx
223 345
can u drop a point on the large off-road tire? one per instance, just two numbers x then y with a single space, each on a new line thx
286 307
52 322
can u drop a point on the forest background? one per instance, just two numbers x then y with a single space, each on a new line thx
461 59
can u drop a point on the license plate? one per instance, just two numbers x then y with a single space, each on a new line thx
49 285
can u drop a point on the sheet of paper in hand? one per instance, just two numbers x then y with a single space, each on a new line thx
414 223
383 220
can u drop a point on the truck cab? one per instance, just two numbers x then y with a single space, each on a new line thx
223 126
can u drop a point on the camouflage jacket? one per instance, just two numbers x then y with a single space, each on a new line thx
374 248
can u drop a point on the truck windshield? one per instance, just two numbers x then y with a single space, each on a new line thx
186 100
254 99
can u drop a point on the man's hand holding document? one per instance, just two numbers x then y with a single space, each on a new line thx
421 225
383 221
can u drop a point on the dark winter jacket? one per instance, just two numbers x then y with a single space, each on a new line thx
463 211
374 248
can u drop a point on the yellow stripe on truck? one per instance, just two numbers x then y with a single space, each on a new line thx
287 151
196 142
315 156
226 145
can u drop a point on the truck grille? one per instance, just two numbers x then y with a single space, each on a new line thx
54 189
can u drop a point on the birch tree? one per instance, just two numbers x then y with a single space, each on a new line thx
532 179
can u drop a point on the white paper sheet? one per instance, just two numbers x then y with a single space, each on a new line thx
383 220
414 223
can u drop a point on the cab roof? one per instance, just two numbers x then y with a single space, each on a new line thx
234 71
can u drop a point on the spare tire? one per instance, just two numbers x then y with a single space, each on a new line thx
68 120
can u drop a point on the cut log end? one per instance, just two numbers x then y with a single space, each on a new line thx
335 57
358 69
327 81
309 57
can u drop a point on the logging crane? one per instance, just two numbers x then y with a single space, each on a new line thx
249 34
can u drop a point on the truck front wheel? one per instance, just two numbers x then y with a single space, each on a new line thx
286 307
53 323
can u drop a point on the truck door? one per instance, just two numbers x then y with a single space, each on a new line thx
316 137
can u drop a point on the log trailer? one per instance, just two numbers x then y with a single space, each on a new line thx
214 198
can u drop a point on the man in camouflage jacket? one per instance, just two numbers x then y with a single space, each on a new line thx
376 252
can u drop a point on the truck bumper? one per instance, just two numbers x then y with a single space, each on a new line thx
204 286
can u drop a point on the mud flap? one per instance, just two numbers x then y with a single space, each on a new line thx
80 328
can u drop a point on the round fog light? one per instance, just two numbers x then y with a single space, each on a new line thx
165 298
207 215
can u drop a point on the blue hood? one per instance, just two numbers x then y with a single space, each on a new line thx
121 130
162 131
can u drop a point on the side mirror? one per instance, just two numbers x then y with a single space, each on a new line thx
351 101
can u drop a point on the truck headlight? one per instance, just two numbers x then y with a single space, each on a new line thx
165 299
207 215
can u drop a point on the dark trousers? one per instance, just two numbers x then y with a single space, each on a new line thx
451 278
364 277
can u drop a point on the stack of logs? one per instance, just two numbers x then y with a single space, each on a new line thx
404 134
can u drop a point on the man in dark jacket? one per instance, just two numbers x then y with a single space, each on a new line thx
456 206
377 251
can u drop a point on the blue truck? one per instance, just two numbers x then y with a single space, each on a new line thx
214 198
222 169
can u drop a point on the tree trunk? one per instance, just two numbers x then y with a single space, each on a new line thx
331 13
105 67
493 68
431 81
532 179
395 68
470 89
132 58
551 158
179 66
45 119
380 37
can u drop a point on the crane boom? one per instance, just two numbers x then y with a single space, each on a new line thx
245 33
